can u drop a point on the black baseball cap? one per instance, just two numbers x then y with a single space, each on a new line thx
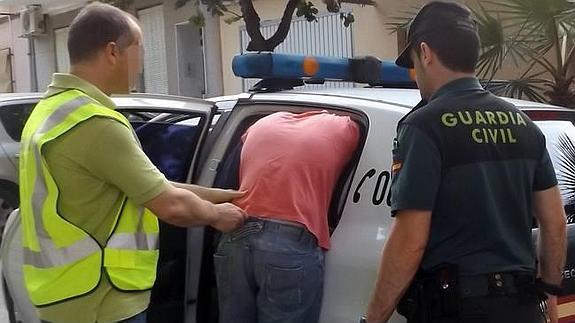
438 17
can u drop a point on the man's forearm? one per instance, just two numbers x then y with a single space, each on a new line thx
400 260
552 244
188 209
552 250
214 195
397 268
200 191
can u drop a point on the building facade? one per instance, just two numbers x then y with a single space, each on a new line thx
183 59
14 58
179 57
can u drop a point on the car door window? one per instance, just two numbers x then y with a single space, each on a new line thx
14 117
169 141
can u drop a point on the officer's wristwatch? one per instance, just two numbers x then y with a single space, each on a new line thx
362 319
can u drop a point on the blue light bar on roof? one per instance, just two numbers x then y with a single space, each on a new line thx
284 66
392 73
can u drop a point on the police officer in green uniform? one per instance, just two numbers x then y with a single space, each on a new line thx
470 173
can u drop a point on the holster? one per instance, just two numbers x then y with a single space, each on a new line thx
412 304
527 289
432 295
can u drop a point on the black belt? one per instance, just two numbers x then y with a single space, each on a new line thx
503 284
254 225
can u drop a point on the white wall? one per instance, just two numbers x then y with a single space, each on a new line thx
61 13
46 60
212 47
10 29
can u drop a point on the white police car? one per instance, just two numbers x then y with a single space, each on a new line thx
183 139
14 111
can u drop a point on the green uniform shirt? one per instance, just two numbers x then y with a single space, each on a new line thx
92 165
474 160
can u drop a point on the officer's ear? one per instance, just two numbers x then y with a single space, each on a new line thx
112 53
426 56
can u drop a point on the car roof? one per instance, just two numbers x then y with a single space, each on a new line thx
19 96
406 98
401 98
147 100
144 100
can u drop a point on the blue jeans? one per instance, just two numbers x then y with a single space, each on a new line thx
269 272
138 318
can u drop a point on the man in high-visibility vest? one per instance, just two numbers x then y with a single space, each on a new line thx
89 195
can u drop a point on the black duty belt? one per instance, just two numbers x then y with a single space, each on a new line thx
504 284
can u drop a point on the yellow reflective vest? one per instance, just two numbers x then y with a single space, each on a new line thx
62 261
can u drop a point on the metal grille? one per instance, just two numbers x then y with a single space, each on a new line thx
326 37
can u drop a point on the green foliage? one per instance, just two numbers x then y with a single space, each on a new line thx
232 19
304 9
529 34
307 10
216 7
198 19
348 18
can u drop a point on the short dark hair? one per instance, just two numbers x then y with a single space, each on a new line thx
94 27
457 50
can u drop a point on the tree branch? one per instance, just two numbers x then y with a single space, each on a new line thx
252 20
332 5
284 27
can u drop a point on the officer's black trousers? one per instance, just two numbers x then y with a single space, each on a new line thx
497 309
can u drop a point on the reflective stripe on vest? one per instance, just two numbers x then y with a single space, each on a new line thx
62 261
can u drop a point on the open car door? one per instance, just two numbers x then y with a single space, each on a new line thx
171 131
172 134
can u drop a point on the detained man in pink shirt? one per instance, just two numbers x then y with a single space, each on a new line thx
271 269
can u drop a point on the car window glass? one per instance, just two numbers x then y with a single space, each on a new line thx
169 140
228 171
14 117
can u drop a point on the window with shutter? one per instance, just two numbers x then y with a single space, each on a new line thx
61 44
155 65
